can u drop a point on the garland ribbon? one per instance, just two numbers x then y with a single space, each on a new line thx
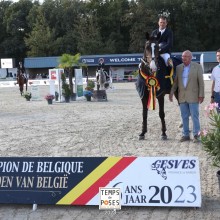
170 62
153 85
170 76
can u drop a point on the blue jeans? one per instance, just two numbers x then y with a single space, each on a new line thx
188 109
217 99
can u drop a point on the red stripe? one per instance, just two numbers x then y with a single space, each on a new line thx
103 181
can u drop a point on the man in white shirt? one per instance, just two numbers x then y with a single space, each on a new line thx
165 40
215 90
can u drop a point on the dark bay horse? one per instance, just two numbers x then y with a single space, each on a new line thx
154 81
21 80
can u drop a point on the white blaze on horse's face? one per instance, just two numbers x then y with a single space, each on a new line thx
152 63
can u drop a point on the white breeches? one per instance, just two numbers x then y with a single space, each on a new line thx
165 57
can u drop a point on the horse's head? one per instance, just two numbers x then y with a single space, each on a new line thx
151 53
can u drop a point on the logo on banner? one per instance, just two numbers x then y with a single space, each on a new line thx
53 75
161 165
160 171
110 198
101 60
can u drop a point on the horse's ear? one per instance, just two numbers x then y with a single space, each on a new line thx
147 36
158 35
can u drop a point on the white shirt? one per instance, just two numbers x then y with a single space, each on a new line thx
162 31
216 77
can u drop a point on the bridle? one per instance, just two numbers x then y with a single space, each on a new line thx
148 70
151 53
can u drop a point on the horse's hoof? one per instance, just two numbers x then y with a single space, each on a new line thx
141 137
163 137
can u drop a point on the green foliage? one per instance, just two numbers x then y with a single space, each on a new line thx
65 87
67 62
27 95
89 36
40 40
89 88
15 27
135 73
211 139
100 27
91 84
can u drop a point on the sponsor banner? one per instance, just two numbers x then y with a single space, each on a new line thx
124 59
78 83
35 92
159 181
55 79
7 63
143 181
112 60
53 74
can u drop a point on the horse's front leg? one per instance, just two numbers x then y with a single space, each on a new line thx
162 117
97 83
144 122
21 90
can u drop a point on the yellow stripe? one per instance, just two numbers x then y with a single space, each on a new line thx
170 76
88 181
143 75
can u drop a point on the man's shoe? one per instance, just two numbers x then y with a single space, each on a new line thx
180 125
196 139
184 138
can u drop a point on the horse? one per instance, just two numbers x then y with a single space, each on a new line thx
101 79
21 80
154 81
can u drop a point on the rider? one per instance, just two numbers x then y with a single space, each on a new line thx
102 66
21 70
165 40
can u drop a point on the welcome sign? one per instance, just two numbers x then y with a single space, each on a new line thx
143 181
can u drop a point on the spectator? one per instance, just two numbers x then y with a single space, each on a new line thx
215 90
190 84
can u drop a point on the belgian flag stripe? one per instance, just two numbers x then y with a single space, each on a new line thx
89 180
103 181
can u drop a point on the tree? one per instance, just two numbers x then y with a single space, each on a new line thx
67 62
41 39
141 19
88 36
61 16
3 34
15 22
108 15
103 26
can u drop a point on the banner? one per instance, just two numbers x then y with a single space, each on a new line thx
35 92
144 181
7 63
55 79
78 83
